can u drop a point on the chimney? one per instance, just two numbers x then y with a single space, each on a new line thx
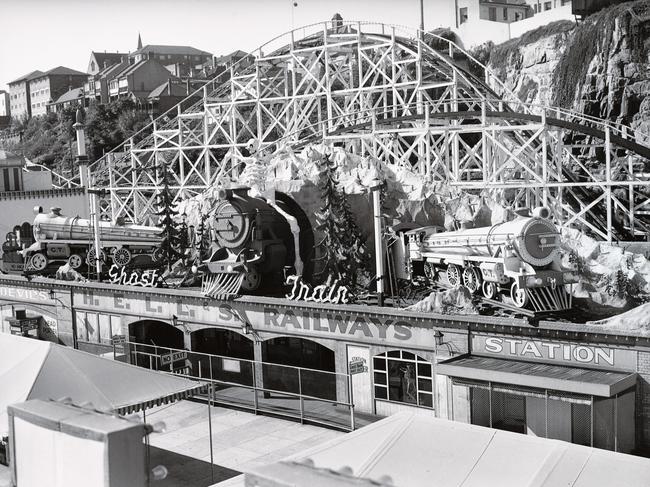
187 85
169 87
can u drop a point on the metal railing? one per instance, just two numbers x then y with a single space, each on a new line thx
310 395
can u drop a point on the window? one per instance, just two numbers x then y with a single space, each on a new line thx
505 13
402 376
97 327
493 14
463 15
535 8
547 5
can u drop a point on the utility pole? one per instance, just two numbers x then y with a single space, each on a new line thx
422 19
84 175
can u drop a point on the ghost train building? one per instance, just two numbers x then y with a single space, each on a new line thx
338 364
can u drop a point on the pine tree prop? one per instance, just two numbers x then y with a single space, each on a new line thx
171 246
343 252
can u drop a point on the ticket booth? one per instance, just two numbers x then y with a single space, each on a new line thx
592 405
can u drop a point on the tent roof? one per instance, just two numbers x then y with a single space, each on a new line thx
413 449
32 369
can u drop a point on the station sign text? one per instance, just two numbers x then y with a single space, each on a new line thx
548 351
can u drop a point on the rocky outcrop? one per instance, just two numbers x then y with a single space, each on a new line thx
600 67
528 67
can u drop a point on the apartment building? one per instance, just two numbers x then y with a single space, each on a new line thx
50 85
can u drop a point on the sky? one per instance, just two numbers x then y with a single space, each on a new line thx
43 34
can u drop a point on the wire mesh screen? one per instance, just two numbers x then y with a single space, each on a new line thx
539 412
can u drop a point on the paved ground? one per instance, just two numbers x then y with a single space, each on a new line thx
240 441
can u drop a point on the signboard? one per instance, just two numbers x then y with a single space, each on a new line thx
118 339
169 358
576 354
21 326
358 366
324 322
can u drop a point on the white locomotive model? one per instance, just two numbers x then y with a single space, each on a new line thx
62 239
520 258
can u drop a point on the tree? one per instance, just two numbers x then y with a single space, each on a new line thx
171 246
343 251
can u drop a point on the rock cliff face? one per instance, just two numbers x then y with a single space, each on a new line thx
600 67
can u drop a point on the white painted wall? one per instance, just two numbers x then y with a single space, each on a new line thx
478 31
553 15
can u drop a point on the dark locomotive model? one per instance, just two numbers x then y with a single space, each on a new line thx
519 258
257 241
60 239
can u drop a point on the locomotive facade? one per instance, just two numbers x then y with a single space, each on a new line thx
258 240
519 258
60 239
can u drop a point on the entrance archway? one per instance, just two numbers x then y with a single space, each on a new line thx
319 381
156 338
231 353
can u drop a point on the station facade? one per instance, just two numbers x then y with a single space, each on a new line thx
555 380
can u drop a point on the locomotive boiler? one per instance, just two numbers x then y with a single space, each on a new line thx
60 239
519 258
257 241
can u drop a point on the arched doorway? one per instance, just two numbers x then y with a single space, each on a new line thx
231 356
318 381
156 338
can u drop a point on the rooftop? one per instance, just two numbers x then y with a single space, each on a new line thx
60 71
176 88
160 49
109 57
28 76
72 95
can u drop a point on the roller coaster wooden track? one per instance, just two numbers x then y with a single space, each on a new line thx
384 92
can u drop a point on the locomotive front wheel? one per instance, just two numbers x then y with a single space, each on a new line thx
489 290
519 296
471 279
38 262
122 256
252 280
453 275
75 261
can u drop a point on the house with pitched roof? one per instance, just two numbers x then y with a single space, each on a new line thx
101 60
138 79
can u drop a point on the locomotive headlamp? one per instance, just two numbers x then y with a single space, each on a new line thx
534 281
